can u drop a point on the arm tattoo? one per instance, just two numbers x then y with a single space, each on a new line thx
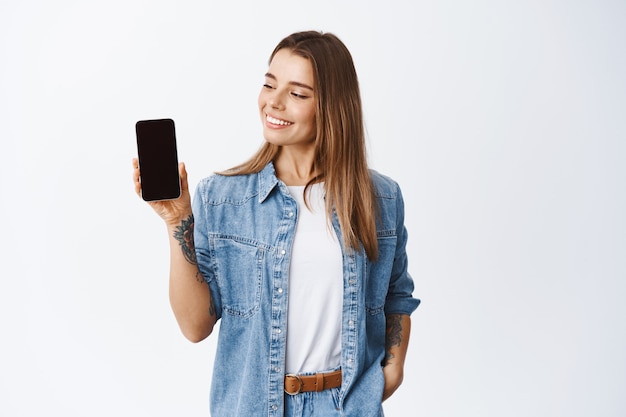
184 235
211 306
393 334
201 280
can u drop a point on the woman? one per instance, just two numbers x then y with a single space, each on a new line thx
300 251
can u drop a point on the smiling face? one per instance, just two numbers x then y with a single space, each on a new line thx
287 101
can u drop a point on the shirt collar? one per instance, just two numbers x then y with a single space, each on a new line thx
267 181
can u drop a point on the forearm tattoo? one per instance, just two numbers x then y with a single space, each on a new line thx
184 235
393 335
211 305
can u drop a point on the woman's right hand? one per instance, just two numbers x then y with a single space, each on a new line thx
171 211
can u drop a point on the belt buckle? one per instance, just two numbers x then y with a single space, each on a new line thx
299 387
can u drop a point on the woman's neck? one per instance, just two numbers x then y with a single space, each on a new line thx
294 168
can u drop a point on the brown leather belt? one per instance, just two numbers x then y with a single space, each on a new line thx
295 384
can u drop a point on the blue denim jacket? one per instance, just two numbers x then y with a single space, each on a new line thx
244 229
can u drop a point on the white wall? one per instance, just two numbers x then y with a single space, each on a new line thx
503 122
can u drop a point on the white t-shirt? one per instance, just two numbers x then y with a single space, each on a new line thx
315 288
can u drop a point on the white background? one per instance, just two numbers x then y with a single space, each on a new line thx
503 121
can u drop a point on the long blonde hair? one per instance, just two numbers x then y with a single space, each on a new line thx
340 155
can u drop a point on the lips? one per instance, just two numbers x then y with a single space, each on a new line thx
276 121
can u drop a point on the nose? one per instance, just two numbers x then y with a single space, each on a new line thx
275 101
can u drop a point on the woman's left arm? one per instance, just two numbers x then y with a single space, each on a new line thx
396 344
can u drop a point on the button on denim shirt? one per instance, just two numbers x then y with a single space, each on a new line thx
244 229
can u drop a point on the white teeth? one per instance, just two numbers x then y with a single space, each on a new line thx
277 121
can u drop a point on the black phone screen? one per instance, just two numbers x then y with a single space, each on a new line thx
158 159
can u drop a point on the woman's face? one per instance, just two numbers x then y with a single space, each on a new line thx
287 101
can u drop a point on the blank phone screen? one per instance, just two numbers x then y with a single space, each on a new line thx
158 159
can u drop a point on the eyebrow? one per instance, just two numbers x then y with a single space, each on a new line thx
273 77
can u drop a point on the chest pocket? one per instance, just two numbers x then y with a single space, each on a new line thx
379 273
238 266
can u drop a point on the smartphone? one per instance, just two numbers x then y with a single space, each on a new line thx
158 159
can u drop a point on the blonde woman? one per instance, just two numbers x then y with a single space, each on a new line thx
300 252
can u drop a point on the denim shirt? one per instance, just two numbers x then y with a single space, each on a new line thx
244 229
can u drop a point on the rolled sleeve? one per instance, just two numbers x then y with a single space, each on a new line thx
202 244
400 299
